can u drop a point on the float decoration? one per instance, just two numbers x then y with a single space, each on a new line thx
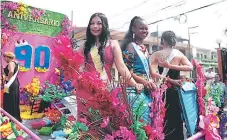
158 113
52 93
201 91
33 89
39 69
26 115
37 13
107 112
223 125
209 121
66 27
215 93
53 115
68 61
23 69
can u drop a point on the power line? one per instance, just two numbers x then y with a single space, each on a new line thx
193 10
128 9
188 11
177 4
183 13
118 14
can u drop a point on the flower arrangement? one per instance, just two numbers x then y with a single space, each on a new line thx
22 9
201 91
34 87
9 130
66 59
37 13
26 115
4 38
52 93
12 6
209 121
53 115
108 115
158 113
66 27
39 69
216 93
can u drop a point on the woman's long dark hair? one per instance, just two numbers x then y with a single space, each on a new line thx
90 39
169 37
129 35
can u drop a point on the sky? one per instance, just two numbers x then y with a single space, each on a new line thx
211 21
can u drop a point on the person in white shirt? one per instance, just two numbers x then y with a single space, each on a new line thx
210 76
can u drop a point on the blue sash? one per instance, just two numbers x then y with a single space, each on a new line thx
143 58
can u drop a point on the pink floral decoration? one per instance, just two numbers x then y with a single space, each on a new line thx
200 86
105 122
67 27
123 133
37 13
209 124
158 113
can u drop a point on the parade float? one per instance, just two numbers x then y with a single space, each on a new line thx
49 74
30 33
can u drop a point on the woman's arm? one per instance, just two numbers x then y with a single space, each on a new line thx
121 67
11 68
184 65
154 66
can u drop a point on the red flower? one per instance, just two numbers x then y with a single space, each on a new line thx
169 85
148 129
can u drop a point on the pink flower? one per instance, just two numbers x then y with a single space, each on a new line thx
115 100
122 108
105 122
151 115
108 137
83 120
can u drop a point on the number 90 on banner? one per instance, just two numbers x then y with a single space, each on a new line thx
25 52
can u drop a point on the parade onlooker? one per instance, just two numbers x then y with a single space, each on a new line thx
209 76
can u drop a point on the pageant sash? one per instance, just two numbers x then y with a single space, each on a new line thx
97 63
143 58
9 83
173 53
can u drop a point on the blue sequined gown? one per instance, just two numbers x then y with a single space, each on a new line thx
139 102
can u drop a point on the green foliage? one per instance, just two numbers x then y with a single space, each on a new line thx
53 92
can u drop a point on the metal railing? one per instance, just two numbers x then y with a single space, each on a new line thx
25 129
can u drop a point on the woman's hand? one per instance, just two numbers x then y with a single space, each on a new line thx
176 82
139 87
162 61
150 85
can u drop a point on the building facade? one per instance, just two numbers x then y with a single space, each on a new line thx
206 57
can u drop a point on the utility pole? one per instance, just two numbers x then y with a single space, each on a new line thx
192 73
157 37
189 41
72 17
